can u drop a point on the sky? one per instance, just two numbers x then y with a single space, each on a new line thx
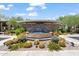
39 10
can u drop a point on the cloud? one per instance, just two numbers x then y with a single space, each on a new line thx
72 13
37 4
2 7
55 17
42 5
61 15
10 5
30 8
20 14
32 14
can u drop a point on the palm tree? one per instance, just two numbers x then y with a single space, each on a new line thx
13 22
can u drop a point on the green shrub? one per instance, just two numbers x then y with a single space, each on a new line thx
36 42
22 37
55 39
12 31
7 32
41 45
16 46
28 44
19 31
61 42
53 46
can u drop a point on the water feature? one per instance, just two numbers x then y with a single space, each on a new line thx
39 31
39 35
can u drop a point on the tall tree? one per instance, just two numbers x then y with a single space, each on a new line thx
3 17
70 21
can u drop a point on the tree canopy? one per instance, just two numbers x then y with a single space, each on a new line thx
13 21
69 20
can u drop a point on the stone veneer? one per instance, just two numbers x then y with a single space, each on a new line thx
34 26
40 27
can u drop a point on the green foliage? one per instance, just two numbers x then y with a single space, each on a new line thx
69 22
55 39
13 22
19 18
53 46
7 32
2 16
22 37
28 44
19 31
16 46
12 31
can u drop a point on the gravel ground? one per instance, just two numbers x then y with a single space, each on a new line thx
67 51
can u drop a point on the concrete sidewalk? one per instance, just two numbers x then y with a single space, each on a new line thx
40 53
6 36
67 38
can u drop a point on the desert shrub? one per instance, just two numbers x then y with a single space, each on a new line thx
36 42
60 32
27 44
56 33
19 31
22 37
15 40
41 45
8 43
16 46
53 46
7 32
61 42
12 31
13 47
55 39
